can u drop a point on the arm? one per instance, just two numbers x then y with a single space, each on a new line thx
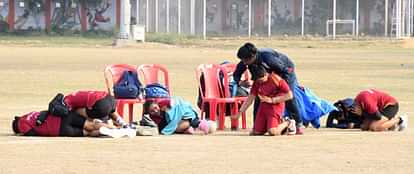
283 94
277 99
275 63
245 106
239 72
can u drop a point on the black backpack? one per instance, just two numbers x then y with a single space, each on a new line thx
128 87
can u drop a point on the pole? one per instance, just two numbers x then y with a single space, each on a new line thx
357 19
124 31
204 19
192 27
168 16
412 17
156 16
179 17
147 15
303 18
269 17
386 19
250 18
398 19
137 12
334 20
403 17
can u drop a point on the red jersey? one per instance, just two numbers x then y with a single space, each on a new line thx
274 86
50 127
84 99
372 100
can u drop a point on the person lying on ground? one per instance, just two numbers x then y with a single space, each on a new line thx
71 125
81 113
176 116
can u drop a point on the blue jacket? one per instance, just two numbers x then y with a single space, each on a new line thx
311 107
179 110
272 61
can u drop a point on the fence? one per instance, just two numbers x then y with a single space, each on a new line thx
263 18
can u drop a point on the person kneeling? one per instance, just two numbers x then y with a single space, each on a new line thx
273 91
378 111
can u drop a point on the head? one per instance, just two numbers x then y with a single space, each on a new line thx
102 108
247 53
152 108
258 73
15 125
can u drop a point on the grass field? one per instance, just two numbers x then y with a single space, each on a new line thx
32 71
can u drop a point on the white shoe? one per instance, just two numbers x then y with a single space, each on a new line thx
404 123
291 130
131 133
114 133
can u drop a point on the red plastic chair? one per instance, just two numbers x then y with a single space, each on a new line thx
151 74
112 75
213 93
229 70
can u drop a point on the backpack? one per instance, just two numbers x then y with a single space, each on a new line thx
128 87
156 90
57 107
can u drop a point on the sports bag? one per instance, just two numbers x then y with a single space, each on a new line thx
128 87
156 90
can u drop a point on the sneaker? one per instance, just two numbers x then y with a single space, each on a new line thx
404 123
147 131
291 130
131 133
204 126
114 133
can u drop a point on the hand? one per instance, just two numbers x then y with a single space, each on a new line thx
266 99
357 110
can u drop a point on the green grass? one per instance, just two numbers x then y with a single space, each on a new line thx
54 39
93 39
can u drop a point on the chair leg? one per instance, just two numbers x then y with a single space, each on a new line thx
213 111
244 120
202 114
222 117
235 122
131 112
120 108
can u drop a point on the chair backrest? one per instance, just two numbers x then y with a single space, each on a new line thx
113 74
229 69
212 85
151 72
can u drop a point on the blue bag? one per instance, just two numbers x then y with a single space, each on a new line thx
156 90
128 87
